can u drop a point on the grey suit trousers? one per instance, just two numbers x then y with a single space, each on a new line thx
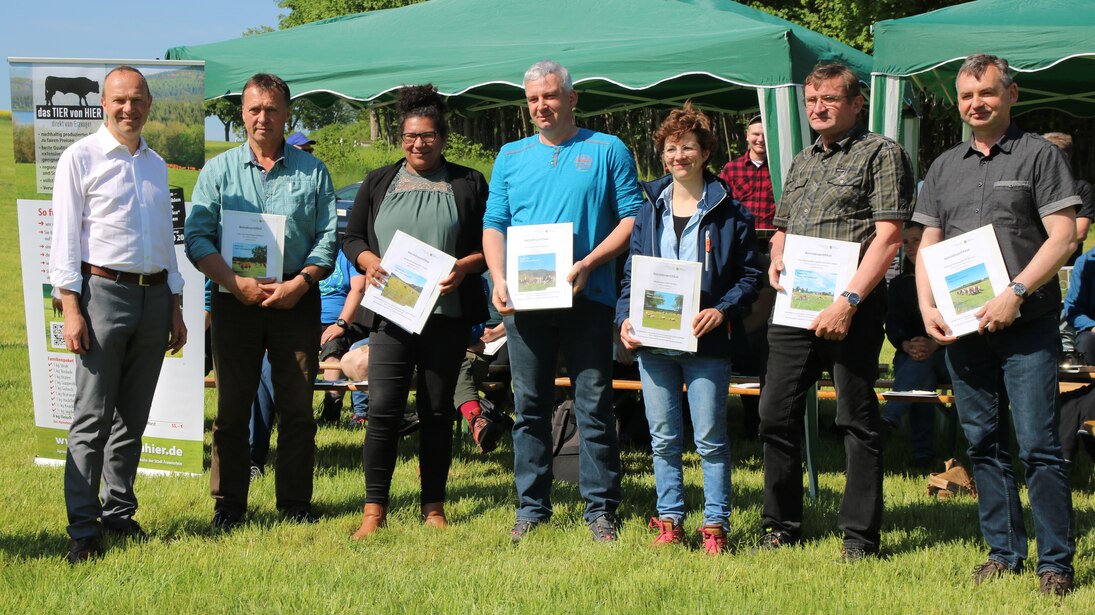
115 380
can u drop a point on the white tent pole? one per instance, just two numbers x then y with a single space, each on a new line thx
785 129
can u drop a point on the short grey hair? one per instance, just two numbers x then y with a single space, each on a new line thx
543 68
976 65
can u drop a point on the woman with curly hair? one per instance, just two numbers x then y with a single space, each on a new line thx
690 215
441 204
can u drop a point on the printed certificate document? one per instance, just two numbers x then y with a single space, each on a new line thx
665 297
253 245
491 348
965 272
815 272
411 290
538 259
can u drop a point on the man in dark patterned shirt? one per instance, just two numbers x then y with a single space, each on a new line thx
748 177
850 185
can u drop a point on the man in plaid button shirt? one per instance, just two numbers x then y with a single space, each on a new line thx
748 177
851 185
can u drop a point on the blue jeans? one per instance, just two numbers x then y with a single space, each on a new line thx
584 335
360 399
708 379
262 416
913 375
1027 354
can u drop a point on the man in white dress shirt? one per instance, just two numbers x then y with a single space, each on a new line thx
113 264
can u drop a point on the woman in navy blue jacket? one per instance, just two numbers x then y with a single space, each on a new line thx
691 215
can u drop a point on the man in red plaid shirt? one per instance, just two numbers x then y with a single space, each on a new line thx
751 184
748 177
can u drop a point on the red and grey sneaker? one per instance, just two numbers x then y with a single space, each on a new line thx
670 532
714 539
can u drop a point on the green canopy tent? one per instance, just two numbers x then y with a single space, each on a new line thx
623 54
1050 43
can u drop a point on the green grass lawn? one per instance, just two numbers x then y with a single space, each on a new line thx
271 567
661 319
809 301
398 290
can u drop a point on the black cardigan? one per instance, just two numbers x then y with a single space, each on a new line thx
469 188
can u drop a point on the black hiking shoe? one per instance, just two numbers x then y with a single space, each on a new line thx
223 522
604 528
774 539
521 528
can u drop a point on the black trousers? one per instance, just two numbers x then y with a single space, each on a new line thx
393 356
796 358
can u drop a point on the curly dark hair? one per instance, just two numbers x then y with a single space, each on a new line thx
686 119
422 101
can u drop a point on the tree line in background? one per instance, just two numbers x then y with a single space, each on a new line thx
848 21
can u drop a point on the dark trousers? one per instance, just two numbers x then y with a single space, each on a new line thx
796 358
241 335
116 379
393 356
1085 344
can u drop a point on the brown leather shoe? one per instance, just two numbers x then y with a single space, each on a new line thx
373 517
433 515
1053 583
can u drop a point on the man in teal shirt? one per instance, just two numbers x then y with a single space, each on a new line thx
251 316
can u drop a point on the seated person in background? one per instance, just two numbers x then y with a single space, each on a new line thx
1085 213
485 430
262 420
750 181
340 300
1079 310
919 362
355 366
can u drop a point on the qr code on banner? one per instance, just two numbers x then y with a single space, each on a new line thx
56 339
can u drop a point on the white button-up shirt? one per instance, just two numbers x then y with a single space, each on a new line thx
111 209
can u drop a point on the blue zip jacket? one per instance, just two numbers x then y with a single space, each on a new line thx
730 279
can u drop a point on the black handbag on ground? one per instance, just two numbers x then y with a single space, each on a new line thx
564 440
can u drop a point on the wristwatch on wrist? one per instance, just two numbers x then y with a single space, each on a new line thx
308 278
1019 289
853 298
342 323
